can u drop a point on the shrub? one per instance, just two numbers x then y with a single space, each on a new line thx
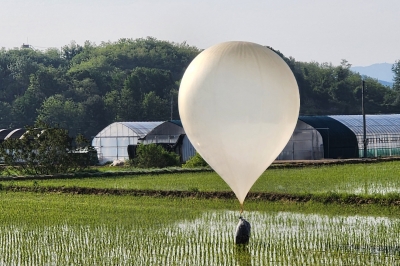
195 162
154 156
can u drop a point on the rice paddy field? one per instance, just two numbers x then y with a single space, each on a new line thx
103 229
361 179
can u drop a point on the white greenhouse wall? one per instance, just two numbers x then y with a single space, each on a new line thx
112 142
305 144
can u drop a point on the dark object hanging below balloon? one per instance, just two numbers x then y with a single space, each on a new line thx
242 231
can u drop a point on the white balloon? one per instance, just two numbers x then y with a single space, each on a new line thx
239 104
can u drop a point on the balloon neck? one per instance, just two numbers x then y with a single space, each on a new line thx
241 208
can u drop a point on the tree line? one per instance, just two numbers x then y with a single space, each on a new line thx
83 88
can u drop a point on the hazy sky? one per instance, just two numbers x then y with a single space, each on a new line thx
363 32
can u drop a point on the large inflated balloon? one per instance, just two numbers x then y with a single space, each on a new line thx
239 104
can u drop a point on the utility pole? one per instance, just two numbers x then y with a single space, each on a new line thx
172 102
365 141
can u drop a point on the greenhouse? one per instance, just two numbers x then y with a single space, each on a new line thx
314 138
382 133
172 137
338 141
306 143
112 142
11 133
342 137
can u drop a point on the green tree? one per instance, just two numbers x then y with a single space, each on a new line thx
48 80
21 66
121 73
69 51
90 86
81 90
341 89
6 119
155 108
375 100
24 108
56 110
396 78
43 150
112 103
144 80
94 116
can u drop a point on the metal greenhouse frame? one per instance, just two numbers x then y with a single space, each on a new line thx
382 133
112 142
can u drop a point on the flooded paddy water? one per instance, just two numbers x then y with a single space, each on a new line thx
67 228
371 188
278 238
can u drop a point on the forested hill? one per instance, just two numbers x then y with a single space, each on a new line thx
85 88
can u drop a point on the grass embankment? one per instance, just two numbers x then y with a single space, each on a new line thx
349 183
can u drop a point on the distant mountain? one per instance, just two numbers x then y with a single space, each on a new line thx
382 72
385 83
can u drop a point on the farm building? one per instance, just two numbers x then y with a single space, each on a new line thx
112 142
171 135
314 138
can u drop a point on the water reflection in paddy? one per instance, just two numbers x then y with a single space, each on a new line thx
278 238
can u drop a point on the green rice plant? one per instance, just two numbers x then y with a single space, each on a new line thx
354 179
59 229
282 238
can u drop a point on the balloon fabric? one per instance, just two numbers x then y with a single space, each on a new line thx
239 104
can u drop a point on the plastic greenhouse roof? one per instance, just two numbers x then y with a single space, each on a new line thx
11 133
375 124
141 128
176 122
339 140
4 133
171 127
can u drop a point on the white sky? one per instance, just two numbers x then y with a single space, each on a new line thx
363 32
